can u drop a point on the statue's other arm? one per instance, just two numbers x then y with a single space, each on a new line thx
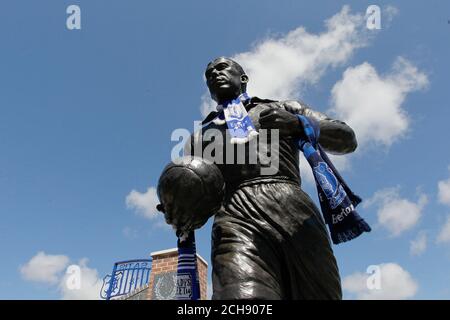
335 136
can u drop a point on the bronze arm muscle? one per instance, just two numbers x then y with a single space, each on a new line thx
335 137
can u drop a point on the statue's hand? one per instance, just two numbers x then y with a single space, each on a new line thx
178 222
283 120
182 220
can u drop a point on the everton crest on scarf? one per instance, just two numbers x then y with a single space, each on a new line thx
188 287
336 199
236 117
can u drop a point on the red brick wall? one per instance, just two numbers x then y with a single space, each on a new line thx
203 278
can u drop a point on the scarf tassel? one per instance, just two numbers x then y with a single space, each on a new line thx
349 233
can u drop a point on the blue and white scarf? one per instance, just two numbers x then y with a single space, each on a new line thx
188 286
239 124
336 199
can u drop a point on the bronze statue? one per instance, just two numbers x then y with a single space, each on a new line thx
269 240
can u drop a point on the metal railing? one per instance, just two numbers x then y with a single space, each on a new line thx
126 277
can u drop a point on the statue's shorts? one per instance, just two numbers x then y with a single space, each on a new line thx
270 242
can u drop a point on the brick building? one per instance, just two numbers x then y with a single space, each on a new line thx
162 283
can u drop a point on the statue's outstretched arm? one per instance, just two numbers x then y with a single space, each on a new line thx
335 136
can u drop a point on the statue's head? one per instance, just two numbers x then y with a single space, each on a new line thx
226 79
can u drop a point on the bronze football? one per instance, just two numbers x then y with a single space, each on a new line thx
190 190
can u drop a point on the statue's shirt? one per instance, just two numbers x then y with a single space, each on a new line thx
268 156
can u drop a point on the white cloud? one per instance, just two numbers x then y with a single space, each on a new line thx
444 191
90 284
53 270
396 284
372 104
444 234
44 268
278 67
396 214
355 283
144 203
419 244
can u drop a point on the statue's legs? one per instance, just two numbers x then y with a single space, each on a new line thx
270 242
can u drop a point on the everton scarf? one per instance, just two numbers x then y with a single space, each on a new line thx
188 287
336 199
239 124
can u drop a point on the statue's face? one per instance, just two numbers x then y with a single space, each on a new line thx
223 78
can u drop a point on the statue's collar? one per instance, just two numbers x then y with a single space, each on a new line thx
243 97
249 103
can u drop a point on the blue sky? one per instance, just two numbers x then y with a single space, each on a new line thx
86 118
